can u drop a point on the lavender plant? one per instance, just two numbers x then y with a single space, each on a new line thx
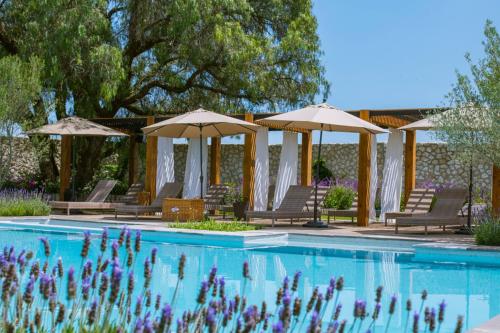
101 296
22 203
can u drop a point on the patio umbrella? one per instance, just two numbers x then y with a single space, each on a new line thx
322 117
200 124
75 126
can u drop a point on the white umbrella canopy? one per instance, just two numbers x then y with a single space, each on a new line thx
321 116
475 119
200 123
75 126
422 124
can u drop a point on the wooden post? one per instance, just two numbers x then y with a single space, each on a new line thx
410 162
249 165
306 160
495 191
151 161
133 161
65 169
364 171
215 149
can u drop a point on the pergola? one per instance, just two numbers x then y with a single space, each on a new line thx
393 118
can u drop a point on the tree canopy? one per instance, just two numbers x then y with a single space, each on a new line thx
147 57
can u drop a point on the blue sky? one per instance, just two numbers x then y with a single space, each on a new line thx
396 53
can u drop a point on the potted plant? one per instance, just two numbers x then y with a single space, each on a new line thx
240 205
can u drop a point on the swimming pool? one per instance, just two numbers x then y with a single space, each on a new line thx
472 290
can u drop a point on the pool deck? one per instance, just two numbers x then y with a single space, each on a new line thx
348 229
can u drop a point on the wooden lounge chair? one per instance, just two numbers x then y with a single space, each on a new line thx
169 190
293 206
444 213
94 201
214 199
419 202
351 212
131 197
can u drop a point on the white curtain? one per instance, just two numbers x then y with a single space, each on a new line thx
165 163
261 169
287 171
373 178
393 173
192 173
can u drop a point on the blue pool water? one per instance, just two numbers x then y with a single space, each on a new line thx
472 290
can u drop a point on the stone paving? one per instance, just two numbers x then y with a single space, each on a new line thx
377 230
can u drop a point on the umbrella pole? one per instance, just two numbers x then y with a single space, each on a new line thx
201 165
315 223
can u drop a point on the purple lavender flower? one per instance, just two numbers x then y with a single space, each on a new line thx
71 290
116 276
278 327
28 292
121 237
202 293
286 282
154 253
246 270
104 239
46 246
442 307
137 246
85 288
114 250
86 244
296 278
415 322
60 268
130 283
392 305
211 276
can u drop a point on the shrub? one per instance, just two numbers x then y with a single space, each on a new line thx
324 172
340 197
22 203
213 225
487 232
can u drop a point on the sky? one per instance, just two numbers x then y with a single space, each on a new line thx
396 54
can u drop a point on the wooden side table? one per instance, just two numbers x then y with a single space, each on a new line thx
183 210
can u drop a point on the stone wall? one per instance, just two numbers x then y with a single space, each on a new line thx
434 163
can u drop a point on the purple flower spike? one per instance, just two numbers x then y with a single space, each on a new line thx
46 245
246 270
114 249
86 244
137 246
154 253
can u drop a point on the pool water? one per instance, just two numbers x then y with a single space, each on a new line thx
469 290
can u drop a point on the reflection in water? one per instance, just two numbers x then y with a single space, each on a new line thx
469 290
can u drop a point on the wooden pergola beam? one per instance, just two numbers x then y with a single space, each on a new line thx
495 191
65 168
151 162
215 153
364 172
410 160
306 160
388 121
249 165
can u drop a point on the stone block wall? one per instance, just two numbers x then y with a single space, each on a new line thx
435 163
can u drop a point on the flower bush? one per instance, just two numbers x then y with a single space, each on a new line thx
213 225
339 197
99 298
22 203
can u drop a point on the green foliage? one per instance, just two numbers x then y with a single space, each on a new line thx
234 195
19 85
324 172
339 197
488 232
109 169
213 225
24 207
472 127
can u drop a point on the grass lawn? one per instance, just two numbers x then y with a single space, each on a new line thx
212 225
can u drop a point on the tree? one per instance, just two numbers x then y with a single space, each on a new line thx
19 86
133 57
472 126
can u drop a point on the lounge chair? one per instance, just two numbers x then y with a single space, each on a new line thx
294 206
419 202
169 190
131 197
445 211
94 201
214 199
351 212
